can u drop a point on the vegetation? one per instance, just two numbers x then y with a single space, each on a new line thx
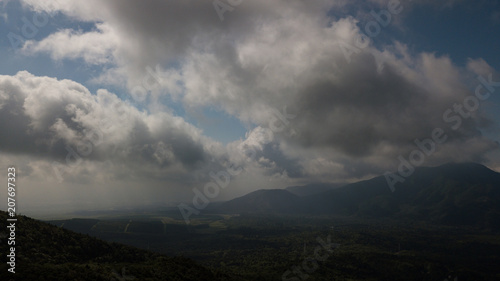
441 223
47 252
264 246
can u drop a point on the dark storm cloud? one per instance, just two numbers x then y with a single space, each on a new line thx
363 107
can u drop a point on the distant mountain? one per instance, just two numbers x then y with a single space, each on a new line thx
453 194
311 189
262 201
46 252
464 194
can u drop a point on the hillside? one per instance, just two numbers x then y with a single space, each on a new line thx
452 194
278 230
455 194
47 252
312 188
265 246
261 201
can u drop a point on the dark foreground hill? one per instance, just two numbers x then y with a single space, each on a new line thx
47 252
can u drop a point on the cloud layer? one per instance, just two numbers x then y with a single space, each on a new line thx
323 103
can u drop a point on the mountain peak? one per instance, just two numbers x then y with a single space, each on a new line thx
453 193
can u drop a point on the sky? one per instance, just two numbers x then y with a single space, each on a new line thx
118 103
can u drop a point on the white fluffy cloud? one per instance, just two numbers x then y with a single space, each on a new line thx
95 47
60 116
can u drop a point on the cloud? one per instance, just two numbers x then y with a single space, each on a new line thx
357 106
51 119
93 47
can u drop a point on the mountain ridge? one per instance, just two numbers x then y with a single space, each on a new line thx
453 193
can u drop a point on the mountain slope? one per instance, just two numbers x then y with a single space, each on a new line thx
47 252
311 189
453 194
262 201
465 194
